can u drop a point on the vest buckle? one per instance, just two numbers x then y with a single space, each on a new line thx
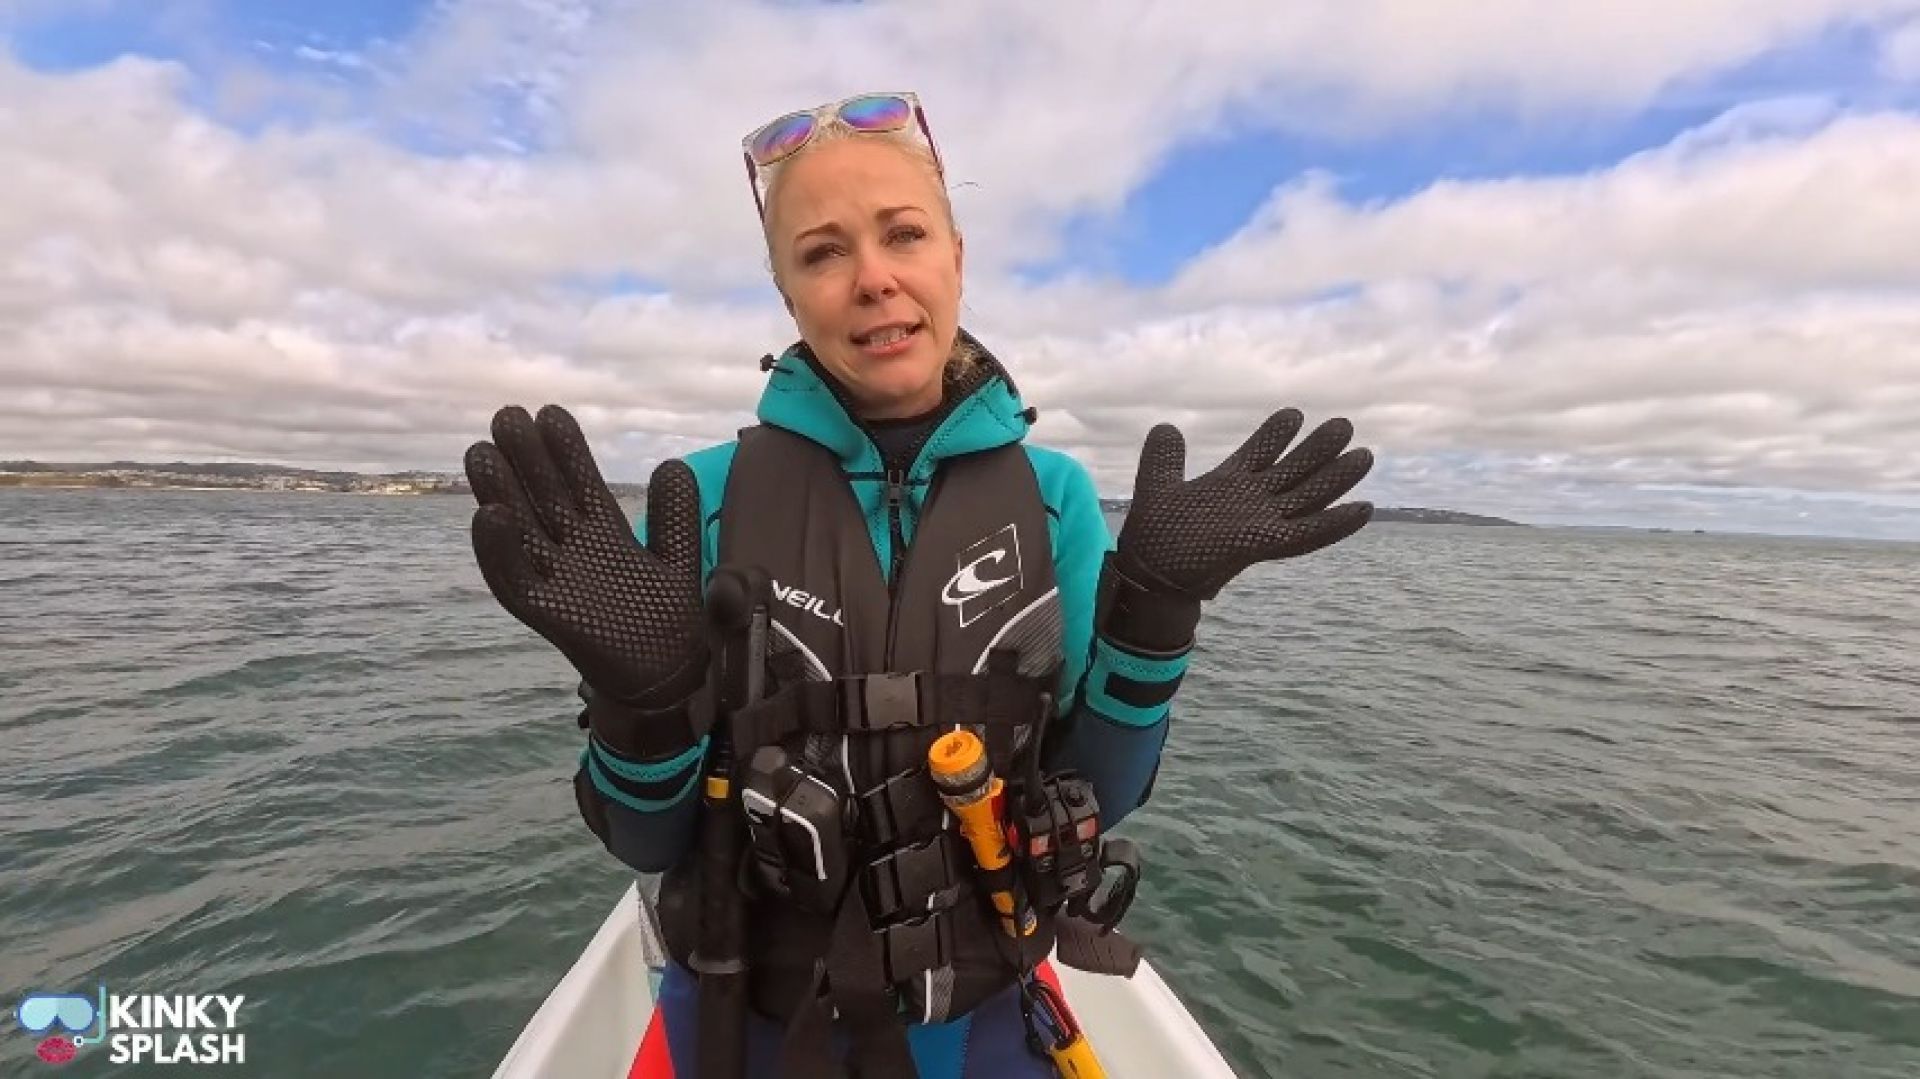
908 948
912 880
904 805
883 701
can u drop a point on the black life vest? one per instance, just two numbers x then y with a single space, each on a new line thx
970 634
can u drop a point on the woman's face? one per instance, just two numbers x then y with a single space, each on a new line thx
870 268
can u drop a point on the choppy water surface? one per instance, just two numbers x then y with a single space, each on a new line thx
1440 802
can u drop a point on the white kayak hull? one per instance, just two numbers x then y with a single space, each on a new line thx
591 1024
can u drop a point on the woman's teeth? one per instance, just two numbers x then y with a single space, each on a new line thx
886 336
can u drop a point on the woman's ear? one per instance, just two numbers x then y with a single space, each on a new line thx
785 299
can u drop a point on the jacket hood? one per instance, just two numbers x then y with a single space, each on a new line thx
982 411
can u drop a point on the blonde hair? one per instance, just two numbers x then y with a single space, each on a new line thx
965 355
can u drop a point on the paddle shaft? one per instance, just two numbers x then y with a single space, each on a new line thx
738 611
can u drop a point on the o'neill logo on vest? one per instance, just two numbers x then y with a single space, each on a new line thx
806 601
989 575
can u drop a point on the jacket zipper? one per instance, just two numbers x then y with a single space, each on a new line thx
896 496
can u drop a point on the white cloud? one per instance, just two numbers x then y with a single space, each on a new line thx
640 105
1749 215
1741 307
1091 97
1900 52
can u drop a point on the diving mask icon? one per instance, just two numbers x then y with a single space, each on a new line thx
72 1011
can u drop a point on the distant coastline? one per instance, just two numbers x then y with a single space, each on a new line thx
1413 515
184 476
1420 515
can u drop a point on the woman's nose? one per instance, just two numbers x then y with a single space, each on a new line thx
874 279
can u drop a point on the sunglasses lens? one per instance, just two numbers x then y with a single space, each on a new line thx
876 112
780 138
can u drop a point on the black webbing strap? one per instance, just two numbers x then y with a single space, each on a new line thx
647 733
857 981
1155 621
819 707
857 987
807 1052
869 703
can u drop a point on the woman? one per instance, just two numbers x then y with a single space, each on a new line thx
929 569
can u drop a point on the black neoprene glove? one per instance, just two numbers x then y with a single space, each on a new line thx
1185 539
558 553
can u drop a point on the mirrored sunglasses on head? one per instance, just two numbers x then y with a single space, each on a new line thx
868 114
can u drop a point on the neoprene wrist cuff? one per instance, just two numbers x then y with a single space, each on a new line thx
665 722
1140 618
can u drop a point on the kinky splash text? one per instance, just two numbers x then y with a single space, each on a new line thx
137 1028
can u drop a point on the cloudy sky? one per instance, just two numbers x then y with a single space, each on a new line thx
1634 262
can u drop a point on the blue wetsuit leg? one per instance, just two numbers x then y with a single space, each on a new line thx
990 1043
